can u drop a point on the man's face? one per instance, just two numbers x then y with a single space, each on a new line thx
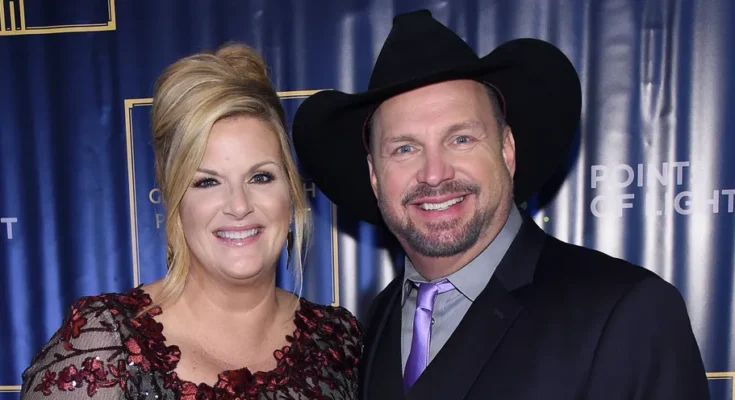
440 169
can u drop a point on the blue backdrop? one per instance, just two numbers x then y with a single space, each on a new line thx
651 179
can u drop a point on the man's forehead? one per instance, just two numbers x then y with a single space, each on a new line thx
457 90
447 127
446 95
440 115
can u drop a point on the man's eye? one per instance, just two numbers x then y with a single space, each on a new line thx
403 149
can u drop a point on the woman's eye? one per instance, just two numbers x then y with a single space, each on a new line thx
205 182
263 177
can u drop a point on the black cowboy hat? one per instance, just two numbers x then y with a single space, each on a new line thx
538 85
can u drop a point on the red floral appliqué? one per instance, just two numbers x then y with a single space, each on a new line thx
113 342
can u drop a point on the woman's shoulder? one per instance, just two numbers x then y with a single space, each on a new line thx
330 321
105 312
90 340
124 304
329 312
333 331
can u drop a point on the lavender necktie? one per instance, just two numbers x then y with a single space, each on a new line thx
418 359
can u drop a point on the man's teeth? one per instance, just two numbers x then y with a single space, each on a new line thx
441 206
235 235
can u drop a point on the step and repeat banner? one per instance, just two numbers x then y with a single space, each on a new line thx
650 180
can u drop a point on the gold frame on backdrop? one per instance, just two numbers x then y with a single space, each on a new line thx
130 104
715 376
21 28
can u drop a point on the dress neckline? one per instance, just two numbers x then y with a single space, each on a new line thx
228 378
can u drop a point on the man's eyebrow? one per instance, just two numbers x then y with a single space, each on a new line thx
460 126
401 138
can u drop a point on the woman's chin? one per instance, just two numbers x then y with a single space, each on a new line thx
245 274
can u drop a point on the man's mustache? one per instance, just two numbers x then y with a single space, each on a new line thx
424 190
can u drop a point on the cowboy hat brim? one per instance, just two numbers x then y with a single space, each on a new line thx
541 95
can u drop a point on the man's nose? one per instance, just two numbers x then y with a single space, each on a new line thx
437 167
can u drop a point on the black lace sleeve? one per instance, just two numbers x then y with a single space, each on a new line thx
326 365
85 357
352 343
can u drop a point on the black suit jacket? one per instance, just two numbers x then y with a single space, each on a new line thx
556 321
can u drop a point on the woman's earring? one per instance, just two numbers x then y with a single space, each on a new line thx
289 246
169 258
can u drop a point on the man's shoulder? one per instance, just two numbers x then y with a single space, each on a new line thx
592 273
571 259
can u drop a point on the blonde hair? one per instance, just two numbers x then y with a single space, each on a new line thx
189 97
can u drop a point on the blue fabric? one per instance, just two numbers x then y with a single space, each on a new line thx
78 216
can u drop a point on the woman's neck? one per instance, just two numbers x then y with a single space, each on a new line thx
253 308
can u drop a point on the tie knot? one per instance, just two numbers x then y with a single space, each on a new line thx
429 290
438 286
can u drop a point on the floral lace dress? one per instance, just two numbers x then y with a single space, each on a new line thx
104 351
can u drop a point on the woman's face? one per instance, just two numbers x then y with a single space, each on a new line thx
237 210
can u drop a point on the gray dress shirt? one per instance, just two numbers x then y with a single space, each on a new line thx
450 307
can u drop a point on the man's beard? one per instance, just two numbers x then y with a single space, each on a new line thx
435 243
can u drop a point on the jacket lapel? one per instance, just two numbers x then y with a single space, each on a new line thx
455 368
381 332
386 374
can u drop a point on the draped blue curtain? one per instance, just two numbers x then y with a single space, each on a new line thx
650 179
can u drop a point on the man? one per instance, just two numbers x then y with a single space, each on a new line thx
489 306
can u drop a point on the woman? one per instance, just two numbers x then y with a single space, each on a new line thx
216 326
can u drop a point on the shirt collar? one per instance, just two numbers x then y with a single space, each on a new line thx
471 279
